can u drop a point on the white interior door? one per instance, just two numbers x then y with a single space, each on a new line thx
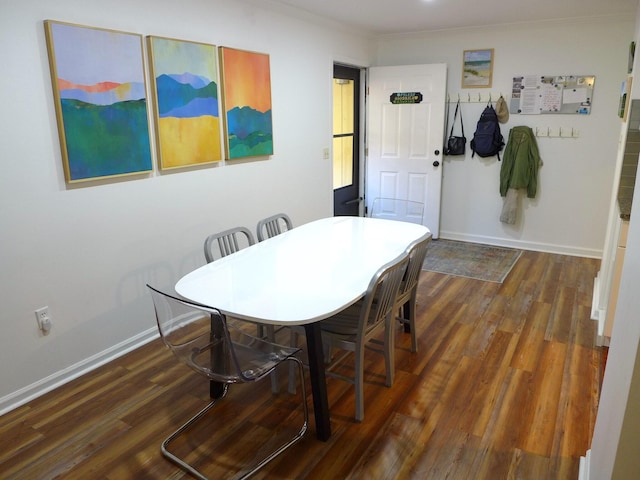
406 106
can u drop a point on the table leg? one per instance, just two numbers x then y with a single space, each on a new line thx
318 380
216 389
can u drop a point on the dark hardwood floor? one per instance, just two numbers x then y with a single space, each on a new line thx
505 385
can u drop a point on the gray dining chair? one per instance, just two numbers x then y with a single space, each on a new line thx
273 225
225 243
406 299
356 327
200 337
397 209
221 244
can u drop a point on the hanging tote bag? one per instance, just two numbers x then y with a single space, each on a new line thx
456 144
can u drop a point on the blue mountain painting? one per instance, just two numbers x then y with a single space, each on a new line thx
195 98
245 120
249 132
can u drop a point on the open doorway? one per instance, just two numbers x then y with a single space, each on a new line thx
346 141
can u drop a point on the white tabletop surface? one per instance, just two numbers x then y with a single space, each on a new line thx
303 275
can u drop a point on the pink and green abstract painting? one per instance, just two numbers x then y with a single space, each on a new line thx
101 102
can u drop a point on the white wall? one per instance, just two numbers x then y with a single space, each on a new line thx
616 435
86 251
614 449
569 214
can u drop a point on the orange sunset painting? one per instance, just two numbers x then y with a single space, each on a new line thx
246 96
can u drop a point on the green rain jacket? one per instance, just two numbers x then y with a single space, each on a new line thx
520 162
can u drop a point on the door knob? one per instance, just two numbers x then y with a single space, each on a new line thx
437 152
436 163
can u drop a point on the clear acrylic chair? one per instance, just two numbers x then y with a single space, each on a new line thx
273 225
225 243
200 337
354 328
397 209
406 299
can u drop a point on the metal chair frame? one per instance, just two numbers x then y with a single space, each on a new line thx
228 241
218 356
355 328
273 225
406 299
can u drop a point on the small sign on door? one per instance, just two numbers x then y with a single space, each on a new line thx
401 98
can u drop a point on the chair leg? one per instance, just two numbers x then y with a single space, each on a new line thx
271 337
359 382
165 445
389 352
293 341
412 325
244 474
408 318
298 436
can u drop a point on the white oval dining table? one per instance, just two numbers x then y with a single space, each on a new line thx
300 277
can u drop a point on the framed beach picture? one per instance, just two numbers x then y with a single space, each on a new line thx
99 89
246 98
477 68
186 107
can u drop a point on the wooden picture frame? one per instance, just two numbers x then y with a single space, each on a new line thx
246 97
186 106
477 68
99 88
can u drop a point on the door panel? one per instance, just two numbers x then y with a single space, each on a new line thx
405 140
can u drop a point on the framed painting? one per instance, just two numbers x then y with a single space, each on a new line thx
99 89
477 68
187 118
246 98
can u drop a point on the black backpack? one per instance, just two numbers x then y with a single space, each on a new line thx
487 140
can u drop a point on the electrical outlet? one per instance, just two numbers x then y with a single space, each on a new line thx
44 319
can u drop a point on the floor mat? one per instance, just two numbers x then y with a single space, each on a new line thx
471 260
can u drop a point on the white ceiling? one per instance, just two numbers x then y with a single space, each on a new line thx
403 16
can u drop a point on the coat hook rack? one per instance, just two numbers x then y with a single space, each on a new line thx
477 97
557 132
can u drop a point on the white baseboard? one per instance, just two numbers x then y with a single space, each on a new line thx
596 311
598 314
35 390
534 246
583 472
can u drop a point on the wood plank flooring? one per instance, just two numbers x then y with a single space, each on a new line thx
505 385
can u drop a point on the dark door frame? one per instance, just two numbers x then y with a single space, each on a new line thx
346 200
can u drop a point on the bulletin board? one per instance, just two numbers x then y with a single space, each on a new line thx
546 94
